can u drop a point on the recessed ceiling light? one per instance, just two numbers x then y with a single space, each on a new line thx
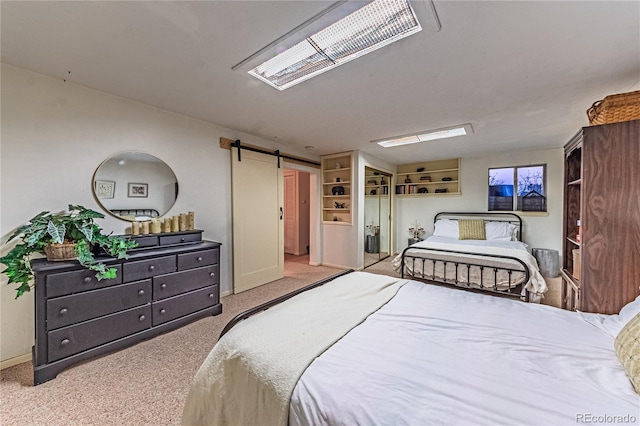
369 28
310 147
428 135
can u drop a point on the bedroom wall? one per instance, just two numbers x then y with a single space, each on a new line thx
540 230
55 134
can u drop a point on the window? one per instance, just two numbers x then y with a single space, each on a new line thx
519 188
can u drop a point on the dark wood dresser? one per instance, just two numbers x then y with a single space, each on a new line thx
601 257
169 281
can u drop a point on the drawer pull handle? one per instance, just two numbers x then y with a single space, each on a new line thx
163 286
140 292
211 296
182 240
151 268
64 342
141 318
162 311
212 274
87 280
199 259
63 311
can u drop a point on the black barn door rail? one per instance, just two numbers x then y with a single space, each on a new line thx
237 144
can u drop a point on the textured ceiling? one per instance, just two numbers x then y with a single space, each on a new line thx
523 73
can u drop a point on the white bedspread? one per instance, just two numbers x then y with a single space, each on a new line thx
535 285
250 374
435 355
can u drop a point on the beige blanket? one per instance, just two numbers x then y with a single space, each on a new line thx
250 374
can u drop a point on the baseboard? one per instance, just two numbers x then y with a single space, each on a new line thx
15 361
315 264
331 265
226 293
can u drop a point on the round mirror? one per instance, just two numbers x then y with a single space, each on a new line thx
135 186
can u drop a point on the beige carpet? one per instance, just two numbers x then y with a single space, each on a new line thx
145 384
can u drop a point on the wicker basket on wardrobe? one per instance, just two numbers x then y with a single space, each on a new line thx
615 108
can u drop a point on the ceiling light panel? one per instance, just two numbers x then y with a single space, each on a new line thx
429 135
369 28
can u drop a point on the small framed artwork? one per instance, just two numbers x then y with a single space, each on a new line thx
138 190
104 188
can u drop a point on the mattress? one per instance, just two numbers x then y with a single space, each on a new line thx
474 276
436 355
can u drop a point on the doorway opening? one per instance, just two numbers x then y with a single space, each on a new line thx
297 219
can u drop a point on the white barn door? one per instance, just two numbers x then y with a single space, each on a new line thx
258 231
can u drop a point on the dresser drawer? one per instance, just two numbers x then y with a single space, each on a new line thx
197 259
167 240
141 269
80 337
67 310
181 282
178 306
146 241
76 281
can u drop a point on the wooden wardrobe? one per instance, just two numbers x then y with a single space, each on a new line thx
601 256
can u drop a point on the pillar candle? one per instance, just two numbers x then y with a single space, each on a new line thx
135 228
156 226
145 228
183 222
174 224
167 225
191 221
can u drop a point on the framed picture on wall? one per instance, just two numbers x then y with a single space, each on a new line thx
105 188
138 190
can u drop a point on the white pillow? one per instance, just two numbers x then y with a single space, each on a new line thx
446 228
614 323
501 231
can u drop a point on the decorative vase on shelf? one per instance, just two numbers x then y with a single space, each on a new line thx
407 180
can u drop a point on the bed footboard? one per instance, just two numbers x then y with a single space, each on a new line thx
246 314
417 263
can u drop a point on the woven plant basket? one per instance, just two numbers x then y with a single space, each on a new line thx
60 252
615 108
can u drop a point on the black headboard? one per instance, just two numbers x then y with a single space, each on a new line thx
488 216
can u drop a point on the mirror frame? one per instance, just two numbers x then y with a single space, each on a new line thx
113 185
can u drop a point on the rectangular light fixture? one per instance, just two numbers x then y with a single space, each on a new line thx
371 27
429 135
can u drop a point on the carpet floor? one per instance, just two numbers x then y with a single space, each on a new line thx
147 384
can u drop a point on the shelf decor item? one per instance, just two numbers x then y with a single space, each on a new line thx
337 190
61 237
615 108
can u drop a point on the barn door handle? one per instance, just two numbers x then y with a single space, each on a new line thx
281 213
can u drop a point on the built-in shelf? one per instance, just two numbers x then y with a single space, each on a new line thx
337 167
432 173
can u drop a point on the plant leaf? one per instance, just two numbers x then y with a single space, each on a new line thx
87 230
56 231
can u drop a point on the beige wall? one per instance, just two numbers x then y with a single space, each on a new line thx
54 136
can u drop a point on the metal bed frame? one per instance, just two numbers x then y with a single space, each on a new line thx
136 212
466 260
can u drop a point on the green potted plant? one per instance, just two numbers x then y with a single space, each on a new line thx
62 236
